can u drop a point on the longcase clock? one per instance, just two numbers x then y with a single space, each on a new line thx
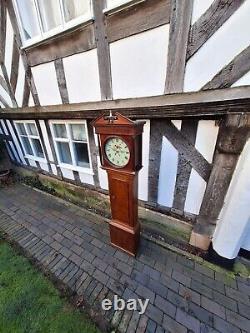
120 146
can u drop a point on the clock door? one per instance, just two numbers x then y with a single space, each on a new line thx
119 194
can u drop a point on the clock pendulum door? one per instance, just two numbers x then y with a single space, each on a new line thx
124 227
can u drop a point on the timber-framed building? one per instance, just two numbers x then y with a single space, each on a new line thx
182 66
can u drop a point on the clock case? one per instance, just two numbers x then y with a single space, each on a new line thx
123 181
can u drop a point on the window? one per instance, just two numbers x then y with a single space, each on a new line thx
40 19
71 144
30 139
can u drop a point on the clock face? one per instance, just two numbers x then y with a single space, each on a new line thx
117 152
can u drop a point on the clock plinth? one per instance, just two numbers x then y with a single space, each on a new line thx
120 145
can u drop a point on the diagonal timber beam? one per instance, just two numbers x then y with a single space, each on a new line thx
232 72
61 80
217 14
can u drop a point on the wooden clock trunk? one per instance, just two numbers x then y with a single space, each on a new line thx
123 181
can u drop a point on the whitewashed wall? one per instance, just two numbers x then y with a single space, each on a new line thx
138 64
205 143
222 47
233 227
199 8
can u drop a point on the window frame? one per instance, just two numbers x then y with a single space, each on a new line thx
69 140
29 137
63 27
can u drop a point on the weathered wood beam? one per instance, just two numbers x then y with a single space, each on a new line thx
180 21
103 53
208 104
28 73
61 80
156 136
188 130
93 153
233 134
14 65
2 29
74 41
3 101
217 14
26 93
137 17
232 72
187 150
3 84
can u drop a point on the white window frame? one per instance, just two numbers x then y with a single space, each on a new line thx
55 31
29 137
69 140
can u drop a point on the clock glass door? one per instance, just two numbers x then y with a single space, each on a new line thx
117 152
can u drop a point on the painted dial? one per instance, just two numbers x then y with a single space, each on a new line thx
117 152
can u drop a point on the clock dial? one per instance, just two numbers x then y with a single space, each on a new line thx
117 152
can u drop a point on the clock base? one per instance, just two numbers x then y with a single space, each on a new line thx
124 237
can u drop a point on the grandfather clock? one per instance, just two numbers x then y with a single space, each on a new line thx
120 146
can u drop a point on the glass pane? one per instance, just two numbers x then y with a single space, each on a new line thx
27 146
78 132
29 19
75 8
81 154
21 129
31 128
50 14
37 147
60 130
64 152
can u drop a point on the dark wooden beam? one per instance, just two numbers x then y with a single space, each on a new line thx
3 84
74 41
233 134
188 130
232 72
26 93
203 104
217 14
93 153
2 29
187 150
14 65
137 17
156 135
28 73
180 20
61 80
102 50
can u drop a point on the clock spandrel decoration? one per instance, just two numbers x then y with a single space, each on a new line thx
120 146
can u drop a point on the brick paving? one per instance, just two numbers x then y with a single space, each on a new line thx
185 296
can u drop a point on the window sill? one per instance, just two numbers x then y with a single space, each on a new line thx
114 9
56 33
35 158
76 168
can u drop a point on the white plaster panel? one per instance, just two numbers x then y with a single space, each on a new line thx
143 173
20 83
53 168
44 166
199 8
138 64
67 173
8 45
5 130
86 178
46 140
82 77
102 174
168 171
9 151
13 135
46 84
5 96
31 100
115 3
205 142
32 163
243 81
228 41
233 226
1 132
